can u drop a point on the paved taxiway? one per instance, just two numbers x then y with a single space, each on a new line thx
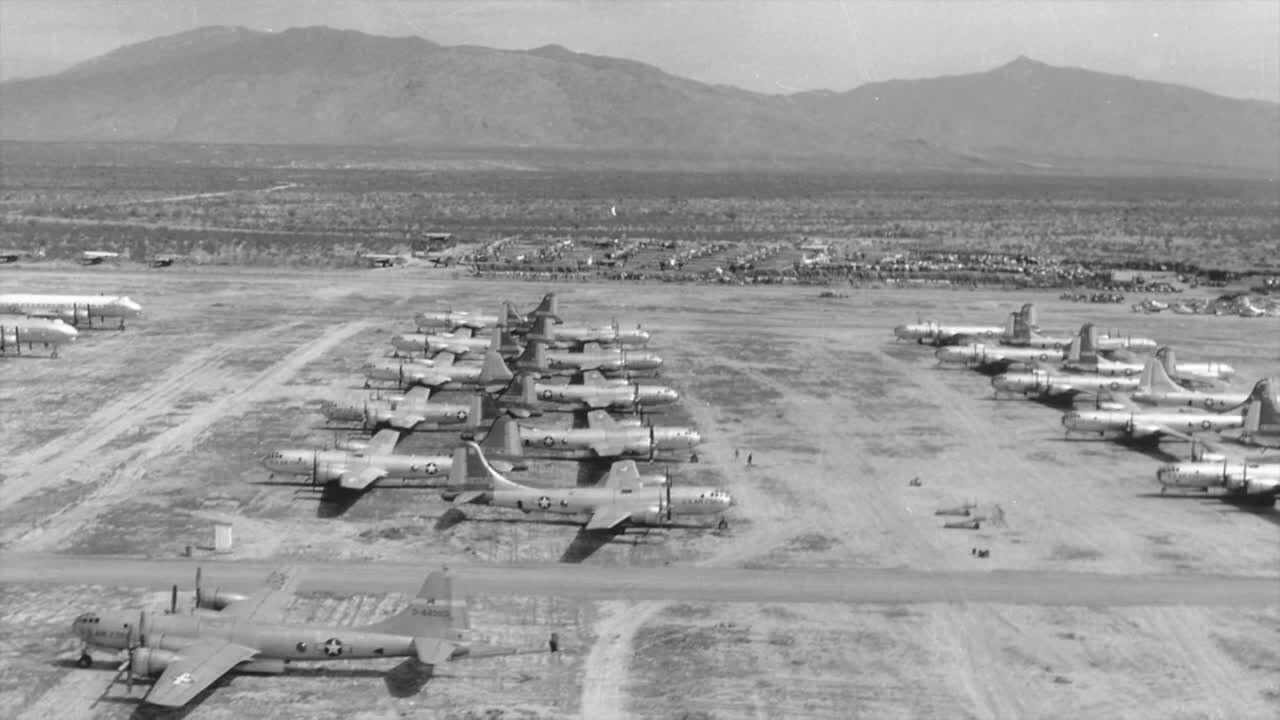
676 583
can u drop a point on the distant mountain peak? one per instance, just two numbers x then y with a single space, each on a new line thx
1023 65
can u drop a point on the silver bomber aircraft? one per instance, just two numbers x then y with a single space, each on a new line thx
454 319
15 332
1157 389
1191 373
997 358
74 309
1083 356
577 337
605 437
345 473
442 374
596 393
1148 425
621 500
411 412
1253 482
536 358
1040 383
187 653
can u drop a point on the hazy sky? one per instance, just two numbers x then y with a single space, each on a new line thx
1231 47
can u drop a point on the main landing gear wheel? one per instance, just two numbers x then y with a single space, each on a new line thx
84 661
723 524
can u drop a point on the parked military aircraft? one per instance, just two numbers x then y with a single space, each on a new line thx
95 257
578 337
1193 372
411 412
459 342
187 653
621 500
933 333
346 472
1083 356
454 319
528 395
1041 383
17 331
1156 388
1262 415
605 437
536 358
442 374
1149 424
383 260
1254 482
74 309
997 358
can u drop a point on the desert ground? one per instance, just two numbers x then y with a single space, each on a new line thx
134 444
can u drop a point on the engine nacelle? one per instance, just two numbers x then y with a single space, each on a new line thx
218 599
353 445
628 422
651 517
151 662
1260 487
1111 405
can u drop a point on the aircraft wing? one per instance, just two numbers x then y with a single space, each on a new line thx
622 474
607 518
406 421
200 665
1148 430
592 377
383 442
268 602
444 359
417 396
600 419
361 480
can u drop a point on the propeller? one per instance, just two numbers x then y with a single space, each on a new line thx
315 468
173 599
199 572
666 511
653 445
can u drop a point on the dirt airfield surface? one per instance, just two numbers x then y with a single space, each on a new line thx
136 443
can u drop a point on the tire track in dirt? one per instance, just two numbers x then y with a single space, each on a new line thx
61 459
180 438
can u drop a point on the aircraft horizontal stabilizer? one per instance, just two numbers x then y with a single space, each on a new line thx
468 497
433 651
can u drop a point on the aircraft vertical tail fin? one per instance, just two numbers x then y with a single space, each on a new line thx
513 318
432 613
1169 360
534 358
1011 326
1020 330
1029 316
471 469
1073 353
494 371
1088 343
1262 414
503 438
541 330
548 308
1155 379
507 344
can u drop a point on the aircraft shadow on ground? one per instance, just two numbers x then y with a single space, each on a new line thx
1267 513
1151 450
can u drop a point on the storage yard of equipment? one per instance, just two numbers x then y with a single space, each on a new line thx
135 444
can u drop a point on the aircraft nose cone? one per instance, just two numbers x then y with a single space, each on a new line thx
643 336
1000 382
695 438
900 331
1070 419
668 395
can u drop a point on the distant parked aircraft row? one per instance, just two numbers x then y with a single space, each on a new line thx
1137 399
50 321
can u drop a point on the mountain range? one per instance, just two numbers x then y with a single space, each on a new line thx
323 86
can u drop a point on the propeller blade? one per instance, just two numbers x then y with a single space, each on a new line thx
198 575
173 599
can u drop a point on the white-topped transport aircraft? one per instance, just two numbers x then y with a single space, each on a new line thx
74 309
